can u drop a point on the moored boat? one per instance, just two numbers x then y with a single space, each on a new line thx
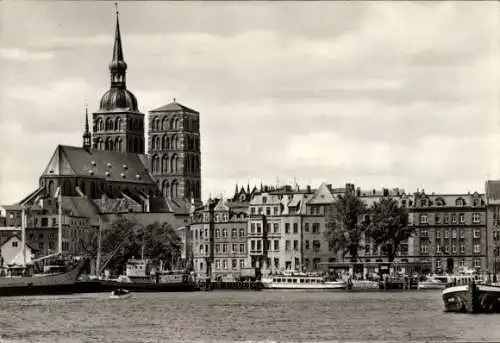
142 276
302 281
472 298
442 281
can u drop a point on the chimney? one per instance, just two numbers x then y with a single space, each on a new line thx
308 188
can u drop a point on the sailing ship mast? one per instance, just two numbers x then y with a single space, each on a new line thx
59 221
23 234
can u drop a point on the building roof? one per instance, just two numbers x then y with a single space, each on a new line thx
109 165
174 107
15 235
322 196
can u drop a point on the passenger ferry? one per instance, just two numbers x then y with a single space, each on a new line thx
291 280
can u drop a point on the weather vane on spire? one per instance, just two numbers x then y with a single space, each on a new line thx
116 7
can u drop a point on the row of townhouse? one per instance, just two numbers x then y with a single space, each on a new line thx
284 229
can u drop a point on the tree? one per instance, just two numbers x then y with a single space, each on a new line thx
345 225
388 226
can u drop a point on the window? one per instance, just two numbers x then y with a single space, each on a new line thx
296 245
316 246
446 219
423 218
234 263
276 262
454 234
45 222
252 245
252 210
276 211
287 227
477 248
477 263
496 235
234 233
461 263
217 233
476 218
224 233
14 244
217 248
287 245
446 234
477 234
462 218
234 248
438 219
224 264
295 228
217 264
268 211
315 228
453 218
423 249
259 245
462 233
54 222
462 249
453 249
259 228
252 228
438 249
242 233
438 234
297 263
202 249
447 249
224 248
459 202
276 228
306 227
242 248
242 263
424 233
307 245
438 263
201 234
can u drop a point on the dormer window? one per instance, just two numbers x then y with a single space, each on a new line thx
423 202
125 166
109 165
93 163
460 202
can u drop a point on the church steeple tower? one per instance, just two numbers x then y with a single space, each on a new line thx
118 67
118 125
86 133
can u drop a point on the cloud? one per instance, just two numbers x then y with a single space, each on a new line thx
23 55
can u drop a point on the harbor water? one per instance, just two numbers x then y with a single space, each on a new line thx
242 316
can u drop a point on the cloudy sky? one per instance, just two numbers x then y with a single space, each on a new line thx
380 94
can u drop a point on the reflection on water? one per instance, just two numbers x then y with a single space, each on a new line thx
267 316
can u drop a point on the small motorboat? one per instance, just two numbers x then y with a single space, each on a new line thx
119 294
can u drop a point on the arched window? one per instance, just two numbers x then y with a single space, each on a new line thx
165 189
156 123
137 144
100 144
165 142
131 145
174 164
164 124
118 125
118 144
51 188
109 124
176 145
141 145
155 164
174 189
156 143
109 144
188 189
164 164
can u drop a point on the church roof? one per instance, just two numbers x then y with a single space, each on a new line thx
109 165
174 107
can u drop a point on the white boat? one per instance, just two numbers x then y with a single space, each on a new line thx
120 294
301 281
442 281
472 298
434 282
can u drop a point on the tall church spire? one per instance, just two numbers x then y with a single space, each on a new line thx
118 66
86 133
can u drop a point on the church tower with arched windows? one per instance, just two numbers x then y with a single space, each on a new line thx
174 151
118 125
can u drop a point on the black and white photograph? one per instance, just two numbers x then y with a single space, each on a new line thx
249 171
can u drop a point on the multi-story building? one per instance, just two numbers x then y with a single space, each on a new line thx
219 239
370 252
450 230
174 147
492 195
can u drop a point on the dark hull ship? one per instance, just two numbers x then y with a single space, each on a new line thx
472 298
50 283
